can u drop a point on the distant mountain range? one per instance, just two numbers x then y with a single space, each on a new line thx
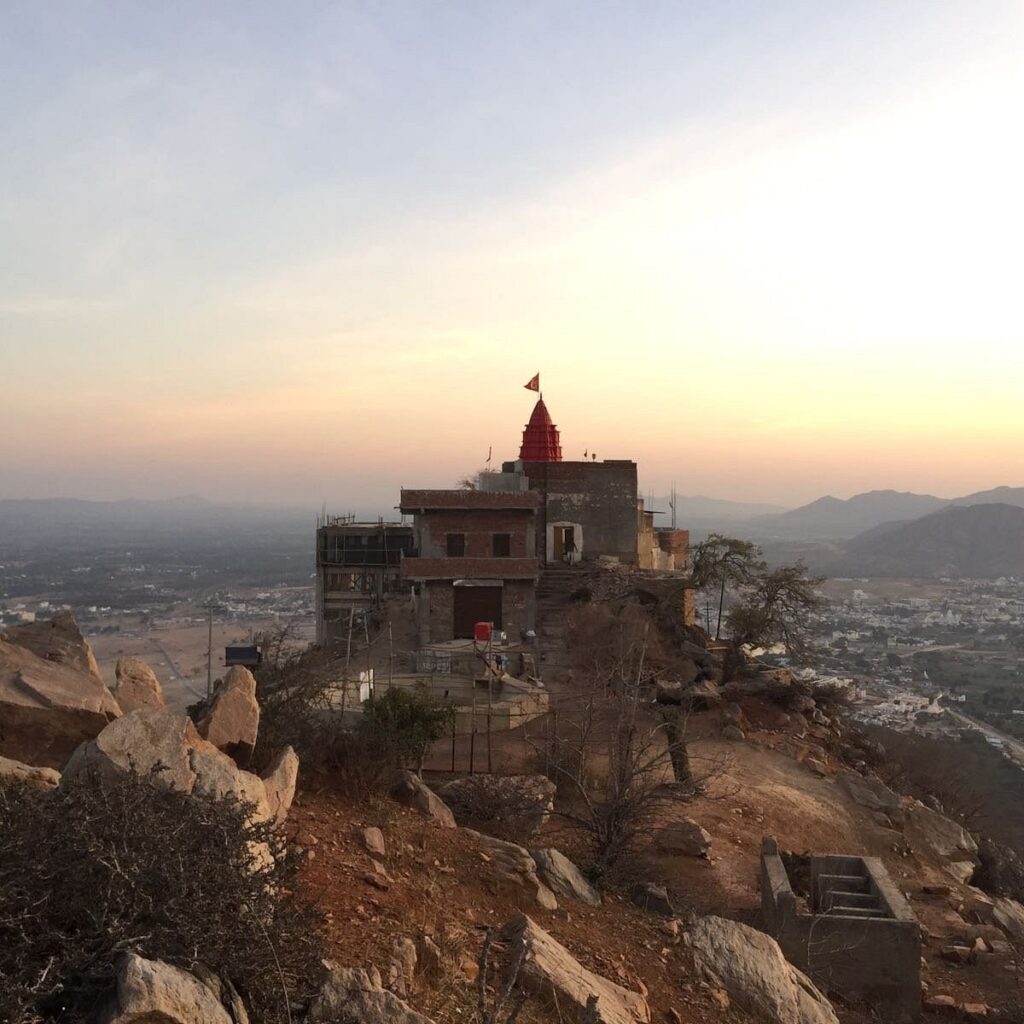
890 533
836 519
966 539
831 518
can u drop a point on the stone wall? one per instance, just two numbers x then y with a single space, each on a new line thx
518 607
876 960
600 496
439 597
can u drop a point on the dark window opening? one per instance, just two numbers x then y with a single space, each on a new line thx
456 545
502 545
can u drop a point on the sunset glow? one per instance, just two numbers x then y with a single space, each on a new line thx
767 256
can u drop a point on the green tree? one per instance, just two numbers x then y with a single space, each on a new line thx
721 562
403 725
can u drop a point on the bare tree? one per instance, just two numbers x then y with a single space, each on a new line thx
619 762
776 608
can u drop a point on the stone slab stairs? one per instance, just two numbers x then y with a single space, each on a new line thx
555 588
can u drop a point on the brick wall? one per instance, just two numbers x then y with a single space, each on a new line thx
479 528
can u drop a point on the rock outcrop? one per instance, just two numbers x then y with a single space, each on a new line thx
515 865
280 780
373 841
413 792
684 837
58 639
233 720
165 746
940 836
751 968
137 685
563 877
50 699
15 771
873 795
357 996
652 897
552 972
149 991
506 806
1009 915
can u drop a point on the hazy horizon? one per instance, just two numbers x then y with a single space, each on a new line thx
306 255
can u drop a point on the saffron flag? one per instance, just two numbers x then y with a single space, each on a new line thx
534 384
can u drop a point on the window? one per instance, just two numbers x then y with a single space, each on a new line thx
456 544
502 545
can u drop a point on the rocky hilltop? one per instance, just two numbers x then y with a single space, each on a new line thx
437 898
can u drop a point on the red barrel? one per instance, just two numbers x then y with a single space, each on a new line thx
482 632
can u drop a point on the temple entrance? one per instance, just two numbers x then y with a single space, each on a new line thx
473 605
565 542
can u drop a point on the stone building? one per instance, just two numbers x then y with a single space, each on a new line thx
475 555
474 559
589 510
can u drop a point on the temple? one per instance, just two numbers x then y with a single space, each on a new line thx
476 554
541 442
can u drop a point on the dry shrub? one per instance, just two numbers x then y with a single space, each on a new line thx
509 808
97 870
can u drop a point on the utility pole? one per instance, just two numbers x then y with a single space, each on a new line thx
490 695
209 651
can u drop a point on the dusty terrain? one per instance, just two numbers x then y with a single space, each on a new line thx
442 885
176 652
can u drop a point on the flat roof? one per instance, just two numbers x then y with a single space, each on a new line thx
413 500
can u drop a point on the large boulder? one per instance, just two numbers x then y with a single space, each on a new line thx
940 836
233 720
506 806
165 746
137 685
280 780
149 991
48 705
356 996
872 794
15 771
751 968
563 877
652 897
551 971
515 865
1009 915
684 837
152 742
412 791
58 640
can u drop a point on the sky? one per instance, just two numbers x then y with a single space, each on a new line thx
308 253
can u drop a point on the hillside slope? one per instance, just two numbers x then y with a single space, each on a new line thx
971 540
994 496
831 518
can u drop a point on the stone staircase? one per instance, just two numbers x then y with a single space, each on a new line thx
555 588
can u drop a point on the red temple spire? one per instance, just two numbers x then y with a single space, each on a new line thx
540 438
